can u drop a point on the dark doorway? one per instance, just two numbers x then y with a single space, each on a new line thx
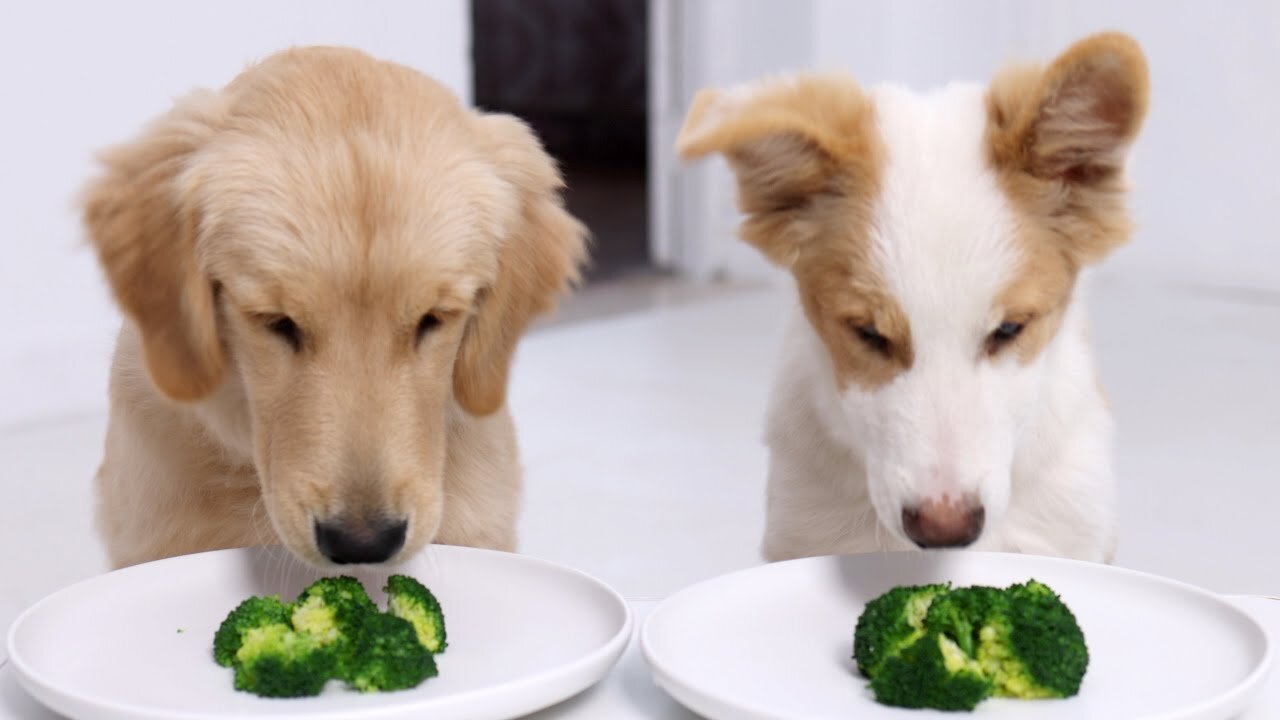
576 71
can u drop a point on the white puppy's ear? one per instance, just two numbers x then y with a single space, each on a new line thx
1062 133
542 250
787 140
1074 120
145 236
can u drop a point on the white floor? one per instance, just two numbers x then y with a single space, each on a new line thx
640 431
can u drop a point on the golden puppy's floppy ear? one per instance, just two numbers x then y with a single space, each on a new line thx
787 140
540 256
1060 135
145 236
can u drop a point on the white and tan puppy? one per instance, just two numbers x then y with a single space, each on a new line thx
937 387
325 268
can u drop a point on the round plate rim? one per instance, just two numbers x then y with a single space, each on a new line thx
705 702
605 656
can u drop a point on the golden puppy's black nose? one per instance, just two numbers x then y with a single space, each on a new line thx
348 543
944 523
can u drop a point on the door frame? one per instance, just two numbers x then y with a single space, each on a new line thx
704 43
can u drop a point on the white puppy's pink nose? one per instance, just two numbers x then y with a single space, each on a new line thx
944 522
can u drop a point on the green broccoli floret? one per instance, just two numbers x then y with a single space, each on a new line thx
932 672
333 631
388 655
332 609
409 599
277 661
928 646
890 623
962 613
253 613
1036 649
330 603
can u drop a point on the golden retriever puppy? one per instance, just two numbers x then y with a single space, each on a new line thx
324 269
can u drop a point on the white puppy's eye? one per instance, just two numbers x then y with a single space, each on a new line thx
871 337
285 328
429 322
1003 335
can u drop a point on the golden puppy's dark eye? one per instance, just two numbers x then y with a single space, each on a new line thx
429 322
871 337
1003 335
286 329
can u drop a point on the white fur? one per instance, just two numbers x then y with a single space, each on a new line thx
1032 441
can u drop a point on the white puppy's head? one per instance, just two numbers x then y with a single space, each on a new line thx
935 241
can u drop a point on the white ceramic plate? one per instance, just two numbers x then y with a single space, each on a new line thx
137 643
775 641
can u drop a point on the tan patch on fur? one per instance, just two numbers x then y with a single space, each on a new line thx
1056 138
1038 296
840 293
808 160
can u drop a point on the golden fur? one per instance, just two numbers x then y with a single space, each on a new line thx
353 197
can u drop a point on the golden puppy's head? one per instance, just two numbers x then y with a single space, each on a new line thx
348 249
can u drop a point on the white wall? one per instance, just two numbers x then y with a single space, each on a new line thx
76 76
1206 169
717 43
